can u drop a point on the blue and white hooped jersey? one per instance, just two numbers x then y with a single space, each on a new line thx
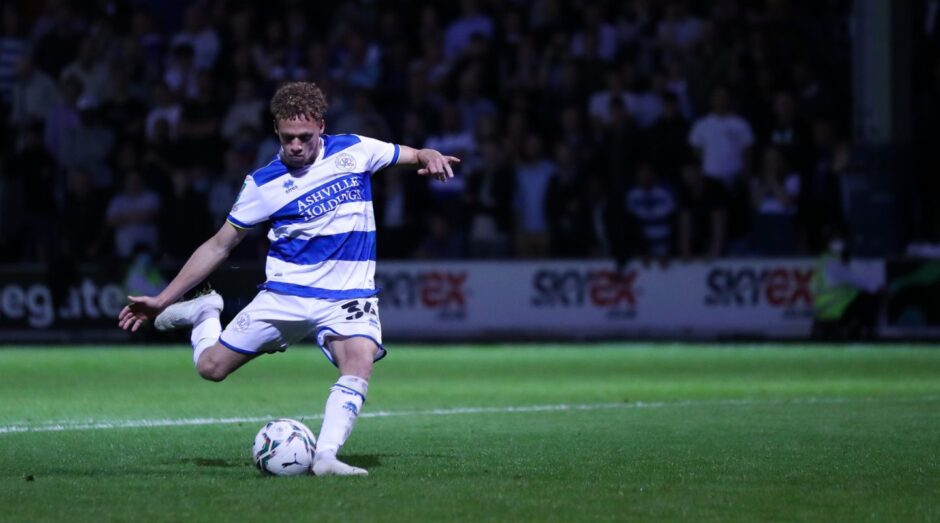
322 224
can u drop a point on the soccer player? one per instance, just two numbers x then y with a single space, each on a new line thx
320 266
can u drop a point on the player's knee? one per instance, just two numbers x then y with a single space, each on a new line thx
210 370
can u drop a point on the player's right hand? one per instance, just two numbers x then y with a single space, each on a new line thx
139 310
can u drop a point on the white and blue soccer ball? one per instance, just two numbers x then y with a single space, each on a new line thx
284 447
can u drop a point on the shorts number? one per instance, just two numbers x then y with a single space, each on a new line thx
352 308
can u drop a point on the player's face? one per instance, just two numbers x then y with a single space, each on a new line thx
300 140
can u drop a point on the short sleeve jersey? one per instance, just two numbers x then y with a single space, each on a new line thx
322 223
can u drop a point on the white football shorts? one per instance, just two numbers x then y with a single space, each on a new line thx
272 322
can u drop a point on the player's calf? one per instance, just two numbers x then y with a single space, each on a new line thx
218 361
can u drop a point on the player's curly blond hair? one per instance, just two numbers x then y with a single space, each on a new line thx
298 100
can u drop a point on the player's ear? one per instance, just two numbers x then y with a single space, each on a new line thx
322 125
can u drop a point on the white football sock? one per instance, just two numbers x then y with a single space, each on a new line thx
342 408
206 332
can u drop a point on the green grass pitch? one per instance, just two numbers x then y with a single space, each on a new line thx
607 432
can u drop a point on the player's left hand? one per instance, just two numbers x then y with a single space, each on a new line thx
139 310
438 166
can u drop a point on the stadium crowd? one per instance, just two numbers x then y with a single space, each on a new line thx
633 128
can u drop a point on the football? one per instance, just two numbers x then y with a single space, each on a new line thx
284 447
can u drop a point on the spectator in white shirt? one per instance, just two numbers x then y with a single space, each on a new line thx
533 174
722 138
132 214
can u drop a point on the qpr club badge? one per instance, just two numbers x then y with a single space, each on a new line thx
345 162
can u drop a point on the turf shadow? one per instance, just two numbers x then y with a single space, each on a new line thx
206 462
365 461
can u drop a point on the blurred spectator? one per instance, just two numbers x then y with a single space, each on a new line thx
11 213
618 149
472 21
123 111
199 36
132 214
722 138
703 214
433 67
166 110
183 219
90 69
361 118
599 38
181 72
224 189
92 145
247 110
442 241
269 53
451 135
84 206
13 48
315 65
397 213
199 123
679 30
600 102
665 140
774 194
63 121
708 66
34 172
487 199
610 234
470 103
460 143
653 206
567 208
821 194
845 304
34 94
533 173
647 103
360 66
788 131
573 134
58 46
150 41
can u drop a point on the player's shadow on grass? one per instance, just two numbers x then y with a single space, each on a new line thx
205 462
366 461
357 460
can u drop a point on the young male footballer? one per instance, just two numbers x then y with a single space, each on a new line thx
320 267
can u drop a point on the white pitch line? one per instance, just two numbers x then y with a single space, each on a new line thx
185 422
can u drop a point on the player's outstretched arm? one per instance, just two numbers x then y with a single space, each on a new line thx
203 261
430 162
